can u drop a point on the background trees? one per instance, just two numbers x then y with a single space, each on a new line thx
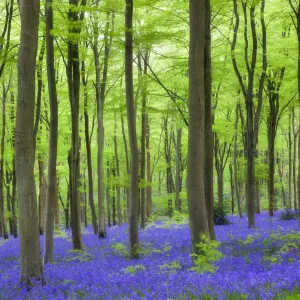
248 69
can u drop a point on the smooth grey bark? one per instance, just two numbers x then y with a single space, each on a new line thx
196 131
31 267
52 197
131 116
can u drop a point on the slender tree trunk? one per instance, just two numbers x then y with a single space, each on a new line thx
88 153
73 74
126 160
290 145
13 202
149 175
3 227
30 257
295 161
108 192
257 197
52 197
118 189
196 134
177 145
235 166
131 115
42 195
232 189
271 163
13 174
8 176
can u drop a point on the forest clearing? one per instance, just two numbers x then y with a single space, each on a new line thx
150 149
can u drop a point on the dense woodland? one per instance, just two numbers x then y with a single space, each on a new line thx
118 112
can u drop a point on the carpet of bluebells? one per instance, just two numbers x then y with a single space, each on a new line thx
261 263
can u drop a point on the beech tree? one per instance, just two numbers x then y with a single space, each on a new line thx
30 257
196 149
131 116
52 180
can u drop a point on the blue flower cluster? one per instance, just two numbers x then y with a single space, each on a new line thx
259 263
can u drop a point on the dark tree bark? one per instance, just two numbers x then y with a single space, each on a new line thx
149 174
168 158
235 164
30 257
196 134
42 195
295 134
209 194
3 226
143 142
290 145
222 153
274 81
131 116
88 151
108 192
52 197
178 179
126 161
73 74
118 189
13 171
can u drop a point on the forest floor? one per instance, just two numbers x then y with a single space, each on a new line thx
262 263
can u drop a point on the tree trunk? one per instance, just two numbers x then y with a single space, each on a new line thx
149 175
126 160
177 145
257 197
295 133
290 145
235 166
52 197
271 163
220 176
88 153
131 115
196 131
231 188
30 257
143 142
42 195
209 169
73 74
3 227
118 189
108 192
